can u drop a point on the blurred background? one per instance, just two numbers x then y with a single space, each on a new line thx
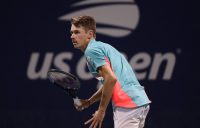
159 39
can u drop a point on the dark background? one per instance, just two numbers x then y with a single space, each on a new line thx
30 26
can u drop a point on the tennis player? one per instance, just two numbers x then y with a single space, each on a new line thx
119 83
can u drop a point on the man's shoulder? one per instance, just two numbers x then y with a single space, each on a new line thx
96 46
94 50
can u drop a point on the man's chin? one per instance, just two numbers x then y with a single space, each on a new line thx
76 47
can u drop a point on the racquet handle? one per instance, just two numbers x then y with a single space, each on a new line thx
77 101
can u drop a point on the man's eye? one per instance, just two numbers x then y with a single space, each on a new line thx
76 32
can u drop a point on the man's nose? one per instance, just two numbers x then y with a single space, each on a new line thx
72 36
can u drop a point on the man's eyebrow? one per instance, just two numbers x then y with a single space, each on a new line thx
74 31
71 31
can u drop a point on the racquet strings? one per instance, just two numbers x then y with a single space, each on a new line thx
66 81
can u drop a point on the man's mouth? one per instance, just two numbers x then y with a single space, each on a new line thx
74 42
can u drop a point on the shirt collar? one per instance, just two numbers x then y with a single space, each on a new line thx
90 43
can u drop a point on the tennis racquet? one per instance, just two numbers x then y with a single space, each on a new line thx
66 81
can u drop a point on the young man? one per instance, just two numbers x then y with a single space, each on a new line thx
129 100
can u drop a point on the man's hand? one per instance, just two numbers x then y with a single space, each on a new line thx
97 119
84 104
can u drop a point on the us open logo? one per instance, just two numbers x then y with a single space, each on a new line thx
115 18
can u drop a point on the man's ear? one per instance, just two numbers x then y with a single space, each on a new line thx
90 34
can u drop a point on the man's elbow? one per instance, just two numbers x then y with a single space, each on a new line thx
113 80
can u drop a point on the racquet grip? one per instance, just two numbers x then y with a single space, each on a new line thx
77 101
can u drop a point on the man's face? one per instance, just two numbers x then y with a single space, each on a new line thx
80 38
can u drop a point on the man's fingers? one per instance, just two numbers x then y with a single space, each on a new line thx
79 108
96 120
91 126
100 123
95 124
82 106
89 121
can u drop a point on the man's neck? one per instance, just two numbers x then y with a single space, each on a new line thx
86 45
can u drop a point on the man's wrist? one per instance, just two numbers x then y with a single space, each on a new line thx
89 102
101 109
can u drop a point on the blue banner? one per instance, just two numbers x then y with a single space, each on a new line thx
156 37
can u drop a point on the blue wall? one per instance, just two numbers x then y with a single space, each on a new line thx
159 39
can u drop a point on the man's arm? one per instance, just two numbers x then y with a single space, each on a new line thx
106 72
109 83
107 91
96 96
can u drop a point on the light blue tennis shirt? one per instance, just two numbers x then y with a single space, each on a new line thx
128 92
